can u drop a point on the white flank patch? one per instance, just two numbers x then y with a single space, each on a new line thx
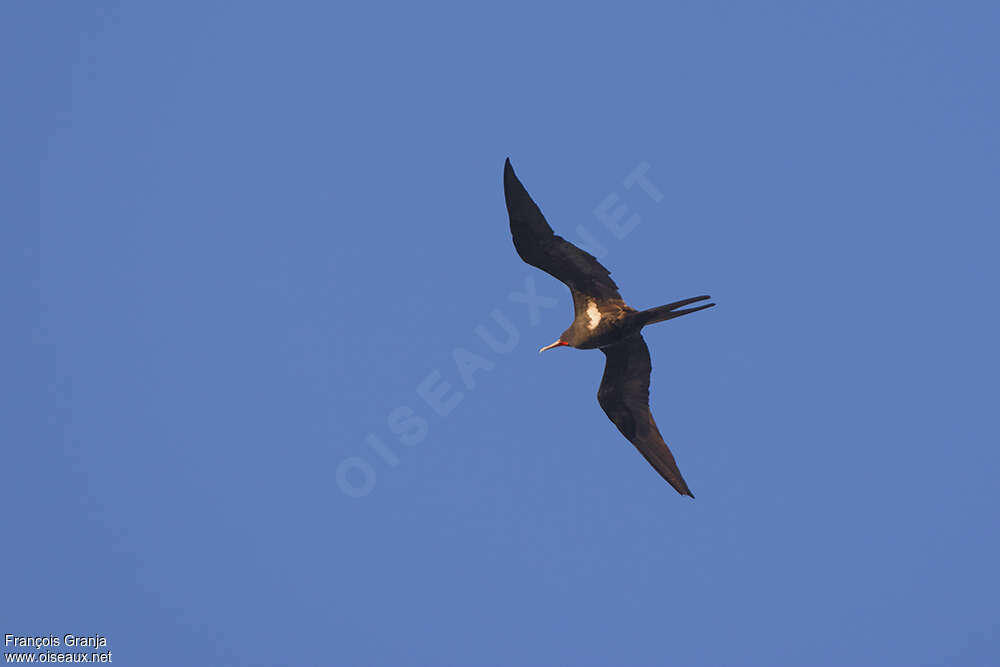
594 313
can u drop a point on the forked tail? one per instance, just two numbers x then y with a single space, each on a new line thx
669 311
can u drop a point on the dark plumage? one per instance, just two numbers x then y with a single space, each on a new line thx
601 320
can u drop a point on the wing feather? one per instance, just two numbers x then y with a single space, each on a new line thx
624 396
539 246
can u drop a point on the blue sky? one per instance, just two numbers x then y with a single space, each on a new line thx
243 236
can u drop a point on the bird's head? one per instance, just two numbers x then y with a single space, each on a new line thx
558 343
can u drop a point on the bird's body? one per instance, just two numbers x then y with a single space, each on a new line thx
598 324
601 320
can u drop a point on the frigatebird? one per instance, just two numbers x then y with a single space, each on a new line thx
602 320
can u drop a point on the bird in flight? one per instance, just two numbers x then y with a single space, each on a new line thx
602 320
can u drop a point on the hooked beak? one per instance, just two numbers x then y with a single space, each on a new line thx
558 343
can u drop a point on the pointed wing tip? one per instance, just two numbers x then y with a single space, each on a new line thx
680 486
512 186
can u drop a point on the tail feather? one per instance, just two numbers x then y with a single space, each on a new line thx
669 311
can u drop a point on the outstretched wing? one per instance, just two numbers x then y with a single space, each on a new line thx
624 395
539 246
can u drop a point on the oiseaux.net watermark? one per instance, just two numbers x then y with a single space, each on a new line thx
357 475
56 648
